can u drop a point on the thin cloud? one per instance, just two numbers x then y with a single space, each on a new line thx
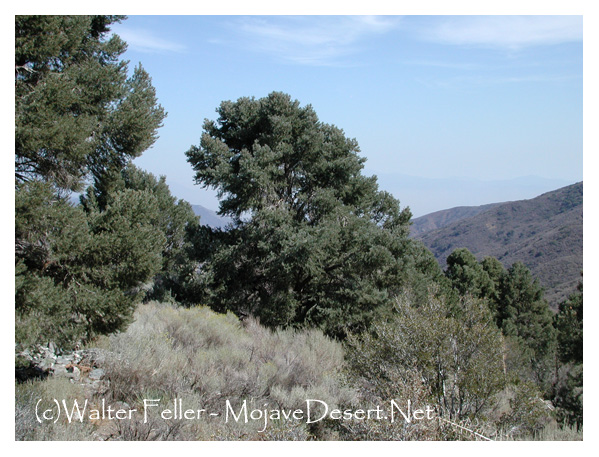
145 41
311 40
512 32
442 64
469 81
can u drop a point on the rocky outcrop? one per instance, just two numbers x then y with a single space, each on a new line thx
83 366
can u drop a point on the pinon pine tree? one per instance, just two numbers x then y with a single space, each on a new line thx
315 241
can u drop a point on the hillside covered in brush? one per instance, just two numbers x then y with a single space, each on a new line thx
545 233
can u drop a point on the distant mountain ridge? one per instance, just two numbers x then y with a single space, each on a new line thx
209 217
428 195
545 233
440 219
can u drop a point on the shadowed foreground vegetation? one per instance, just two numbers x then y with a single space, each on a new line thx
204 359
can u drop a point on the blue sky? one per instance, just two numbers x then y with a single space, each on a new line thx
436 99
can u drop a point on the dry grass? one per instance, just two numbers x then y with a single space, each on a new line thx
206 359
27 396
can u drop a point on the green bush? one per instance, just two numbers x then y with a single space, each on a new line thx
528 414
458 359
425 354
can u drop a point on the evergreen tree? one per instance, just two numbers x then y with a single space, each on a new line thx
568 389
524 315
496 271
76 110
78 115
568 322
520 311
467 276
314 240
176 221
79 274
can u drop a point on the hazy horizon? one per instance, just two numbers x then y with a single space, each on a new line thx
428 195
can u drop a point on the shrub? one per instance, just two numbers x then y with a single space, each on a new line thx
27 428
528 414
427 355
206 358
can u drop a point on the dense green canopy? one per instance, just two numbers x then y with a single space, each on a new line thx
76 109
79 115
314 240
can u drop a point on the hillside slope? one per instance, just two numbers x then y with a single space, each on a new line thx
209 217
440 219
545 233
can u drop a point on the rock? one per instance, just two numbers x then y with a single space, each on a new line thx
26 354
76 373
60 370
97 387
96 374
93 357
67 371
47 364
81 366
